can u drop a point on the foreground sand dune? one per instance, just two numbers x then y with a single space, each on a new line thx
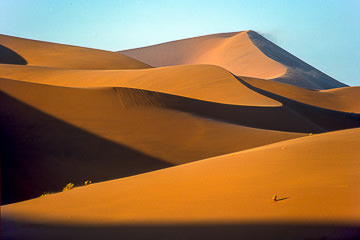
306 173
243 53
22 51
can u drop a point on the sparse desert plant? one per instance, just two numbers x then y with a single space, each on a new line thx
87 182
68 187
275 198
44 194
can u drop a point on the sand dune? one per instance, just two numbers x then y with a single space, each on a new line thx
55 125
203 82
233 51
22 51
315 177
192 151
242 53
339 99
143 124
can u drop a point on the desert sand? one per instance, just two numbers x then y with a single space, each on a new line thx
183 140
37 53
243 53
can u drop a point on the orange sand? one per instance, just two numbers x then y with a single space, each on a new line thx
316 177
243 53
191 151
38 53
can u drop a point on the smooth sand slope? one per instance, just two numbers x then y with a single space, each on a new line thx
340 99
14 50
203 82
56 135
243 53
233 100
315 178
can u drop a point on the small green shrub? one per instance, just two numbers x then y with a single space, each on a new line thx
87 182
68 187
275 198
44 194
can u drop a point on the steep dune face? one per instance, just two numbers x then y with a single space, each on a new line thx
314 177
15 50
242 53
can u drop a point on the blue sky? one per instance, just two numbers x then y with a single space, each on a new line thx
324 33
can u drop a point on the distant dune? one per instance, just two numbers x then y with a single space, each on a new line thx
189 139
242 53
22 51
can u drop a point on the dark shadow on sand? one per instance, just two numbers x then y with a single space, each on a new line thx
282 199
8 56
329 120
40 153
292 116
251 231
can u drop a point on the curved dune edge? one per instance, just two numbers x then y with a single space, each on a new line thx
203 82
232 51
39 53
339 99
298 72
305 173
65 132
145 121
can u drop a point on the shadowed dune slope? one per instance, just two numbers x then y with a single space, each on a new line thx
222 95
8 56
298 72
40 153
203 82
315 178
340 99
53 135
242 53
39 53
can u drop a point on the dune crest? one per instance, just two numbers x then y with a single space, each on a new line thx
232 51
203 82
